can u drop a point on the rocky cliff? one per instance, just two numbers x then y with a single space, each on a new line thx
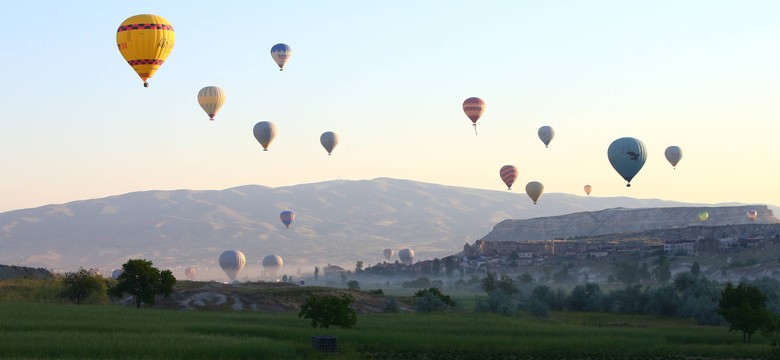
623 221
13 272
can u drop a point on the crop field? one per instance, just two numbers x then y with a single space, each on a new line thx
64 331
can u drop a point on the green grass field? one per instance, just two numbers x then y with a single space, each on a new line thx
63 331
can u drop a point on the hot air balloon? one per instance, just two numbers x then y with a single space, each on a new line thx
508 174
329 140
673 155
115 274
406 256
474 107
281 53
191 273
145 41
752 215
287 217
272 264
588 188
232 262
546 134
265 132
703 216
627 155
388 253
534 189
211 99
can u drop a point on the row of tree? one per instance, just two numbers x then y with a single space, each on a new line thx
139 278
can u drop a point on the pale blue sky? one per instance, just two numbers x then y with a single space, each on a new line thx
389 78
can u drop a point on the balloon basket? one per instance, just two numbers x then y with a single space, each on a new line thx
324 344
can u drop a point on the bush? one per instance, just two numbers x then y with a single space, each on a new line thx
353 285
391 306
329 310
498 302
379 292
432 299
536 308
446 299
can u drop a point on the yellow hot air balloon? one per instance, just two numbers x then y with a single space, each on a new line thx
534 189
145 41
211 99
703 216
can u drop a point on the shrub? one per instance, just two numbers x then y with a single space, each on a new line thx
327 310
379 292
353 285
536 308
391 306
446 299
498 302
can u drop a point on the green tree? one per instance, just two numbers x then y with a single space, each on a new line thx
142 280
449 266
324 311
82 284
662 272
695 269
744 307
525 278
316 273
359 267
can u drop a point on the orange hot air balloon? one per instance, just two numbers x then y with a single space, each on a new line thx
588 188
508 174
474 107
145 41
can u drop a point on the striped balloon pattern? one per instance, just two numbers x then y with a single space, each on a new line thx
281 53
211 99
145 41
287 218
508 175
474 107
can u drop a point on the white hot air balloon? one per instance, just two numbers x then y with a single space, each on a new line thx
232 262
673 154
406 256
191 273
115 274
265 132
272 264
388 253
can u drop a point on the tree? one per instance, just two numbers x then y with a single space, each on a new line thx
695 269
449 266
142 280
353 285
358 267
662 272
316 273
324 311
436 266
744 307
82 284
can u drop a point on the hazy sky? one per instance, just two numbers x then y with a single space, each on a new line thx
390 77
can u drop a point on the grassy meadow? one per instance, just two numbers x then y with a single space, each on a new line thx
31 330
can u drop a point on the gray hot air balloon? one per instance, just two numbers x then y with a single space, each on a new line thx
329 140
627 155
265 132
388 253
673 155
272 264
534 189
546 134
232 262
406 256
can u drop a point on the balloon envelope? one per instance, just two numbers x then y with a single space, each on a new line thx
145 41
329 140
388 253
752 215
703 216
272 263
588 188
115 274
211 99
265 132
232 262
508 174
406 255
287 218
627 155
673 155
474 107
534 189
281 53
191 273
546 134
